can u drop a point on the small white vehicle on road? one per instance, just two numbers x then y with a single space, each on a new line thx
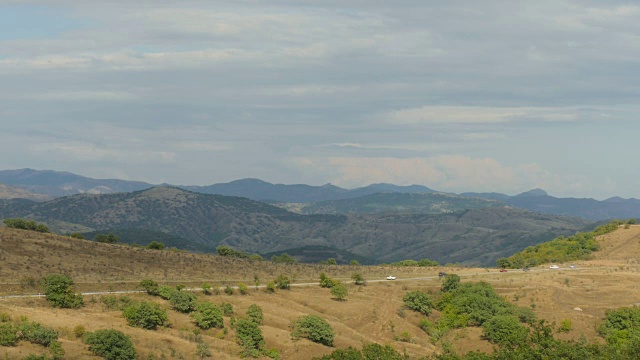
391 277
554 267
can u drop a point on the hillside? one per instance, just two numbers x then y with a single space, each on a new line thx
477 236
371 314
394 202
61 183
12 192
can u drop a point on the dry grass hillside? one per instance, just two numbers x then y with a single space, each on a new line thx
372 313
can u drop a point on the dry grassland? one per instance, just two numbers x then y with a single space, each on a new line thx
370 314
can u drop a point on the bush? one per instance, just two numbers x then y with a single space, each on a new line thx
111 345
327 282
109 238
58 291
150 286
56 350
36 333
450 283
284 258
313 328
155 245
23 224
208 315
166 292
243 289
8 334
183 301
254 313
77 235
505 330
565 326
206 288
229 290
358 279
146 315
79 331
250 338
227 309
339 291
283 282
271 287
418 301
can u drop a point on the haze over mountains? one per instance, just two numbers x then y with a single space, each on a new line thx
56 184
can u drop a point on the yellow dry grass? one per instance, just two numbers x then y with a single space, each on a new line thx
371 313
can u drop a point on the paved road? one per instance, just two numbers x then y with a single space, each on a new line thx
123 292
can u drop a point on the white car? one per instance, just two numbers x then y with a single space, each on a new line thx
391 277
554 267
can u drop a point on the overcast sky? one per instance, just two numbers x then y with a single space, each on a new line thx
493 95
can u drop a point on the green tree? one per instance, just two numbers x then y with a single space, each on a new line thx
208 315
339 292
109 238
227 309
271 287
243 289
313 328
354 263
77 235
418 301
8 334
358 279
503 263
284 258
58 290
56 350
111 345
37 333
146 315
326 281
150 286
331 261
254 313
450 283
565 325
283 282
505 330
155 245
183 301
250 337
23 224
206 288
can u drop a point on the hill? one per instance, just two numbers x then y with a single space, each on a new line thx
477 236
12 192
371 314
61 183
394 202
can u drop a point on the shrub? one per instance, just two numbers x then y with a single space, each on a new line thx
450 283
206 288
270 288
243 289
229 290
208 315
283 282
23 224
284 258
36 333
183 301
150 286
155 245
313 328
505 330
227 309
8 334
339 291
565 325
166 292
354 263
109 238
56 350
254 313
58 291
250 337
111 345
418 301
77 235
79 331
327 282
357 279
146 315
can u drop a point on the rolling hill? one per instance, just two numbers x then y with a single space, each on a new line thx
12 192
478 236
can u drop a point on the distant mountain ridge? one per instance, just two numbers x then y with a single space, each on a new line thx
56 184
477 236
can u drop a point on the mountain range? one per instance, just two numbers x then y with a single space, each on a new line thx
310 199
204 221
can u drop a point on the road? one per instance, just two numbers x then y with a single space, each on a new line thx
124 292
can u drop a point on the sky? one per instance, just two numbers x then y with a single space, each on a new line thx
460 95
